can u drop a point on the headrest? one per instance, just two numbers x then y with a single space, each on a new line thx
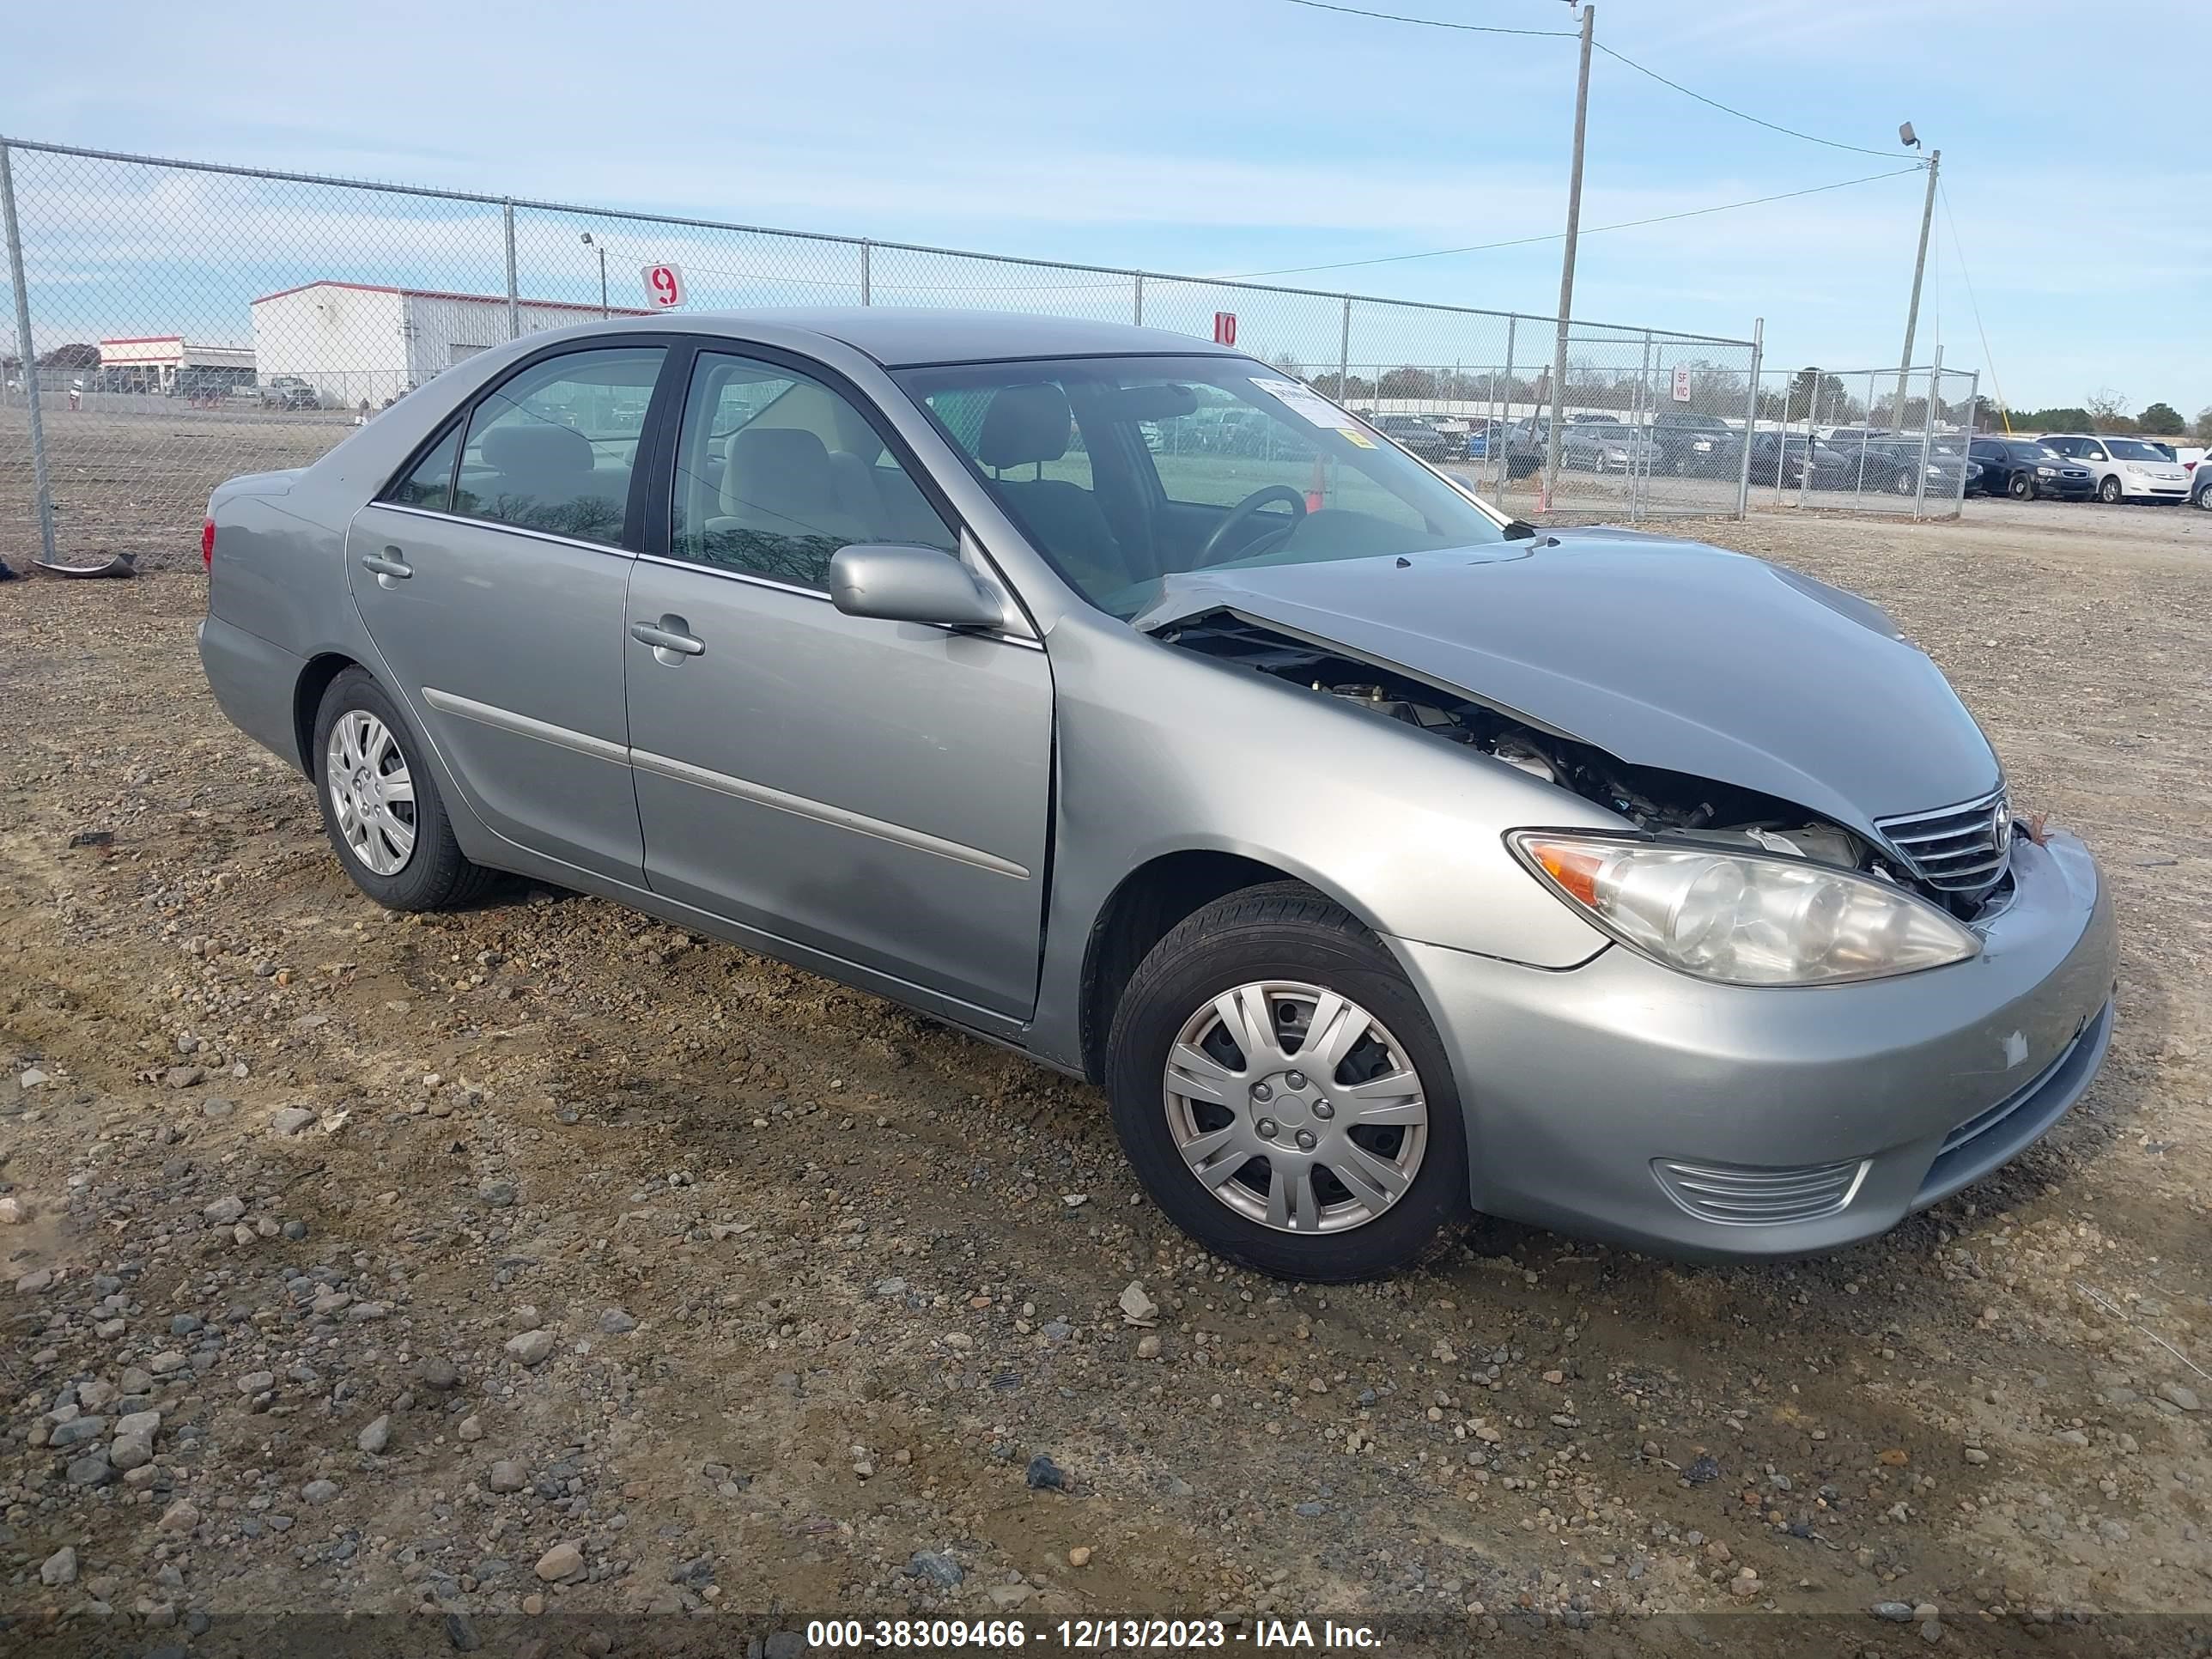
536 449
1024 423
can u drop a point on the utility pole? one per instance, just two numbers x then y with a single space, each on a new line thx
600 248
1567 264
1919 265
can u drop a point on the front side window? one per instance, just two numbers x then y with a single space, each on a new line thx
430 481
1125 472
776 473
554 447
2133 449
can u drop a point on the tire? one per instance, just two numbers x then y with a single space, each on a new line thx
1280 948
2201 501
430 872
2021 487
2109 491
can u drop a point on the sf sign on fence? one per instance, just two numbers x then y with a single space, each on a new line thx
1224 328
1682 384
664 286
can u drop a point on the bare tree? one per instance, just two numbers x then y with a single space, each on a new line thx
2106 407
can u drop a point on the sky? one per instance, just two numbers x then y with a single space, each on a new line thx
1216 137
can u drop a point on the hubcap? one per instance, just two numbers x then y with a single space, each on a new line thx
1296 1107
372 793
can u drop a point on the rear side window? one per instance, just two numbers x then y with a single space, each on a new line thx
430 481
553 448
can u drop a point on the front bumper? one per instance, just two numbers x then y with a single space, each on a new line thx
1580 1086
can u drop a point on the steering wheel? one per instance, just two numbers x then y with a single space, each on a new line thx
1211 552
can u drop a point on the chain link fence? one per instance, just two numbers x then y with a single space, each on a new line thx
176 323
1870 441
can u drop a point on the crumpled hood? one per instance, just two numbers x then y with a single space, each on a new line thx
1661 653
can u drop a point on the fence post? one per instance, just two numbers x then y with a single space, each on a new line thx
1812 426
1928 431
1496 445
1644 410
1139 301
867 273
1344 357
40 481
514 295
1750 420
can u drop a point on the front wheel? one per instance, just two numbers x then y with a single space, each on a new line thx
2109 492
2021 487
1282 1094
2202 499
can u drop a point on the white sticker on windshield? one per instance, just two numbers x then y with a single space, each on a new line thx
1314 408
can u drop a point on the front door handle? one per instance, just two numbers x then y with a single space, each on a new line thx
671 639
390 566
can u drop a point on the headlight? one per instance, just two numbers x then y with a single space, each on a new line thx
2137 468
2046 472
1742 919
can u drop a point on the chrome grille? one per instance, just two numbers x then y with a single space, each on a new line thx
1958 849
1743 1197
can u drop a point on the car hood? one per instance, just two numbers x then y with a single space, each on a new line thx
1660 652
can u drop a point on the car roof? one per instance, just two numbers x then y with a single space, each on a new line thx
904 336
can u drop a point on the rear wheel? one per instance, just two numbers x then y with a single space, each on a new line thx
2109 491
382 807
1281 1093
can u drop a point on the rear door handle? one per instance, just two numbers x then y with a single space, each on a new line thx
670 638
390 566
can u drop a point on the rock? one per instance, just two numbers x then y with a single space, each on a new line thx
216 1107
1924 1610
1148 1345
499 1194
562 1561
1079 1556
59 1568
1704 1469
1975 1454
144 1424
2179 1393
131 1452
179 1516
935 1567
376 1437
184 1077
616 1322
162 1364
76 1429
1311 1510
224 1211
255 1382
14 1212
37 1279
1895 1612
532 1347
438 1373
295 1229
93 1394
135 1381
184 1324
461 1635
93 1469
472 1427
1045 1475
291 1120
1138 1308
506 1475
319 1491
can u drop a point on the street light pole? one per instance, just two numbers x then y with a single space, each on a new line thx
1567 263
1919 265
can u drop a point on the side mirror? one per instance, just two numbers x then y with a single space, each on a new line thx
893 581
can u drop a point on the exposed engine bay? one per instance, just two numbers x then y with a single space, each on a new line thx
1682 807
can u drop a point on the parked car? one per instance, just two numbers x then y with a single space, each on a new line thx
1606 446
1700 445
1524 444
289 391
1626 910
1780 460
2124 468
1416 435
2024 469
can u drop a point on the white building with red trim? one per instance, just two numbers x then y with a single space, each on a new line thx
357 343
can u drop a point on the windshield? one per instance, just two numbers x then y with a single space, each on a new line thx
1125 471
2130 449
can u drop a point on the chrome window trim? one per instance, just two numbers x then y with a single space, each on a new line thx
823 812
506 719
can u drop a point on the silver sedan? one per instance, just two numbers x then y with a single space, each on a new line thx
1384 858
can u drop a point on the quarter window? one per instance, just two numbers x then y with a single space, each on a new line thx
553 448
430 481
776 473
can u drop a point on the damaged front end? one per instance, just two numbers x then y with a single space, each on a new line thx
1958 858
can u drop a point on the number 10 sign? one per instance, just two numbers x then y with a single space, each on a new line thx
664 286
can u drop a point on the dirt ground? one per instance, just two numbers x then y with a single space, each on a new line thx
531 1273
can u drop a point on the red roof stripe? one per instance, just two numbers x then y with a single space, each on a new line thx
439 293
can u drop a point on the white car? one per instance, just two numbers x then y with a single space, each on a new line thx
2125 469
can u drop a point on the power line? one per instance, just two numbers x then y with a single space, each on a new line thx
1436 23
1725 109
1589 230
1959 248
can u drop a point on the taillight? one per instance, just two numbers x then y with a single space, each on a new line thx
207 545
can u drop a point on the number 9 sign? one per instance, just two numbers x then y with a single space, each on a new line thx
664 286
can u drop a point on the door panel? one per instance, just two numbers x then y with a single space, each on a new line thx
880 791
508 648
